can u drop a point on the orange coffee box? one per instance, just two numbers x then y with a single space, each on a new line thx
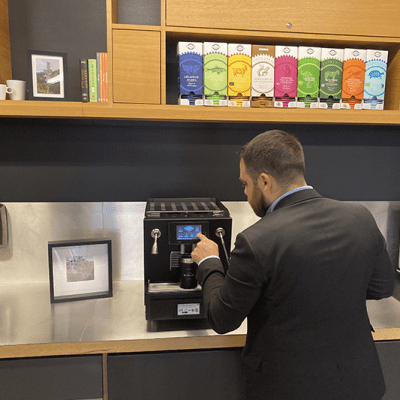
353 78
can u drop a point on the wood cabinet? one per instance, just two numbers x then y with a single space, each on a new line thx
335 17
142 58
136 61
5 54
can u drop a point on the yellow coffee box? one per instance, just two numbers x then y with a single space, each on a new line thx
262 75
353 78
239 75
215 73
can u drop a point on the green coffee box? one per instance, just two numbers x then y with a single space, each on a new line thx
309 68
215 73
331 78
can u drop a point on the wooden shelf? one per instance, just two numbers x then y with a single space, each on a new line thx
48 109
146 345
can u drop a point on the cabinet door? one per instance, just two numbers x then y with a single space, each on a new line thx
389 354
52 378
5 54
136 67
194 375
357 17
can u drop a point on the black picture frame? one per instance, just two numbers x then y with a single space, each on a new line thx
80 269
47 76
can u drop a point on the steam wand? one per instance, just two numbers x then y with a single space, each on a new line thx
220 232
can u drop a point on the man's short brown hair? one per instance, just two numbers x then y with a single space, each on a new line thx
277 153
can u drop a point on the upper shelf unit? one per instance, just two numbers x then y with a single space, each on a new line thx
142 45
334 24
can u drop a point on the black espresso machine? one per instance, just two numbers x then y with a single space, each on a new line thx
170 234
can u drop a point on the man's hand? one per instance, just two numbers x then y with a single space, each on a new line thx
204 248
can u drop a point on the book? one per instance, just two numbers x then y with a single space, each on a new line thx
92 72
101 64
84 80
98 70
105 77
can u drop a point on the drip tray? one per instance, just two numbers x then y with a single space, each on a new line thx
168 287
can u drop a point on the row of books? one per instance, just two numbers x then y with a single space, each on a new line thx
94 83
245 75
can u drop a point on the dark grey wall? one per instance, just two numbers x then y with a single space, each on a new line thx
68 160
75 27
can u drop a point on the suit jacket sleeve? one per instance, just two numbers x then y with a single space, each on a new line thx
228 299
381 284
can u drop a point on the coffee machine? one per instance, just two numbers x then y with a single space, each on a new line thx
171 227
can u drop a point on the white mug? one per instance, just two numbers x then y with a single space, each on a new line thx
18 87
4 90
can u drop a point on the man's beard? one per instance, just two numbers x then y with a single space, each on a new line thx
258 202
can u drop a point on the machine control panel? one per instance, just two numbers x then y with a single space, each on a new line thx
183 232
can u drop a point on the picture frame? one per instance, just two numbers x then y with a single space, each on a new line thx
80 269
47 75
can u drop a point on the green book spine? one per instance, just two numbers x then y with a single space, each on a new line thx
92 69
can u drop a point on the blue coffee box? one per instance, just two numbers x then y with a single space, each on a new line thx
375 79
190 77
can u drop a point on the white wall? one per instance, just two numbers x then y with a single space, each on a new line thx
33 225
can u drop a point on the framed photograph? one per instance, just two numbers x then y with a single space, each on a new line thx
47 75
80 270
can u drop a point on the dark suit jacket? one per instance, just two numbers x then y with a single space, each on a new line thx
301 276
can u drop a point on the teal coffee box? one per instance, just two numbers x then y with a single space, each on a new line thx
309 68
375 79
215 73
190 60
331 78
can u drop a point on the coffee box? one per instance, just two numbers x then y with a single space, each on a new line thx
308 72
331 78
215 72
190 60
375 79
353 78
262 75
285 76
239 75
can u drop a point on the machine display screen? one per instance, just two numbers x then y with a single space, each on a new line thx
187 232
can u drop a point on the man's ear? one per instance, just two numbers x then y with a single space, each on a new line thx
264 181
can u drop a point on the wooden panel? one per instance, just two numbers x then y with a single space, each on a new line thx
392 95
358 17
136 66
5 54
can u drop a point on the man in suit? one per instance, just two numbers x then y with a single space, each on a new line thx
301 275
